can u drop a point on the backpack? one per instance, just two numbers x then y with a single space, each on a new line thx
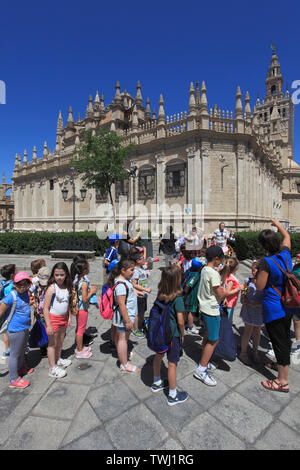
106 301
226 347
159 332
3 285
124 248
290 295
5 320
184 278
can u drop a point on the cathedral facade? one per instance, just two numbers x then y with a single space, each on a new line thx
237 166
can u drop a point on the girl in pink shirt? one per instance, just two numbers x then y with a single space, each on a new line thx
229 279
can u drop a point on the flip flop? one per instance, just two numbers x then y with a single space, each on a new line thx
270 385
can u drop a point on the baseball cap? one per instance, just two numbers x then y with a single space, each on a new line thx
214 251
114 237
112 265
43 275
196 263
21 276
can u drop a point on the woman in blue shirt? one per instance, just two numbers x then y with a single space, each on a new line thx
276 317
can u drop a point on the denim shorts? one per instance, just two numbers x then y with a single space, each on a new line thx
212 326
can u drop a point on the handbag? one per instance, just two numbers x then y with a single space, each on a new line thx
226 347
38 336
5 322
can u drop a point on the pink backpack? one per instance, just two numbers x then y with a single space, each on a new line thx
106 301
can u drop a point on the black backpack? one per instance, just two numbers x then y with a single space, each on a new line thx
124 248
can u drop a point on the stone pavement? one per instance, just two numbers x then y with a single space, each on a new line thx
101 408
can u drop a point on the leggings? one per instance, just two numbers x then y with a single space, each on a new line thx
18 342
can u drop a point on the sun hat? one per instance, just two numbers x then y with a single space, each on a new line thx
43 275
112 265
21 276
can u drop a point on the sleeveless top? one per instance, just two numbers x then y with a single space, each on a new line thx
60 303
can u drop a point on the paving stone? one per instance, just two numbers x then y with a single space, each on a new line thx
111 400
252 389
110 372
204 395
62 400
140 386
232 373
84 422
136 429
95 440
86 376
207 433
279 437
170 444
290 415
173 417
37 433
241 416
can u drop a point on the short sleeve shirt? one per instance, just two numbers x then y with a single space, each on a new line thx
21 319
131 303
221 237
208 301
140 275
177 306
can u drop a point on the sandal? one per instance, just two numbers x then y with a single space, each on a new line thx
128 368
275 386
271 365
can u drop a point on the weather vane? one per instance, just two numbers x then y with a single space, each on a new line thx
273 48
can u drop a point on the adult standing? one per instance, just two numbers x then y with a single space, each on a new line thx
168 245
221 235
277 318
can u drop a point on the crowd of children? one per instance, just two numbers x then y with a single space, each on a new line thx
196 287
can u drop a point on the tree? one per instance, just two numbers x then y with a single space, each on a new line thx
101 160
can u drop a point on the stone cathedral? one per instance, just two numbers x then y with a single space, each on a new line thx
239 166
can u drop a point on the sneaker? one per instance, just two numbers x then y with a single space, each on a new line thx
87 340
295 350
156 388
19 383
64 362
205 377
180 398
26 370
6 354
193 331
270 353
84 354
138 333
57 372
211 367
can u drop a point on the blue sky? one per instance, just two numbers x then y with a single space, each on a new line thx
55 55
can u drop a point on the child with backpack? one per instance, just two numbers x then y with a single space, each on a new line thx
16 308
125 311
8 272
210 294
39 297
140 283
190 294
84 292
167 310
57 315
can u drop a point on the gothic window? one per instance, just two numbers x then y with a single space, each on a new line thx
175 179
298 186
146 183
122 188
273 89
101 196
51 182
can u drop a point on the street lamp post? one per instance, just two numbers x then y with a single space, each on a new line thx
73 198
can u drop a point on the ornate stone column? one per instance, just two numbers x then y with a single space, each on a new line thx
191 154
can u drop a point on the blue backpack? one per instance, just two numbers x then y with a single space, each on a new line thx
3 285
159 333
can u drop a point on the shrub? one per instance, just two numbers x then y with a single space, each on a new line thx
247 246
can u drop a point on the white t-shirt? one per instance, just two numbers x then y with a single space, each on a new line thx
208 301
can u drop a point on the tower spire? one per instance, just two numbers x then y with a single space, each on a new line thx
138 96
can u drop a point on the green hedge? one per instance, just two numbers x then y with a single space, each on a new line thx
247 246
40 243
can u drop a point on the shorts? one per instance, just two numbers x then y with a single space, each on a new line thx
81 321
58 321
173 353
212 326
